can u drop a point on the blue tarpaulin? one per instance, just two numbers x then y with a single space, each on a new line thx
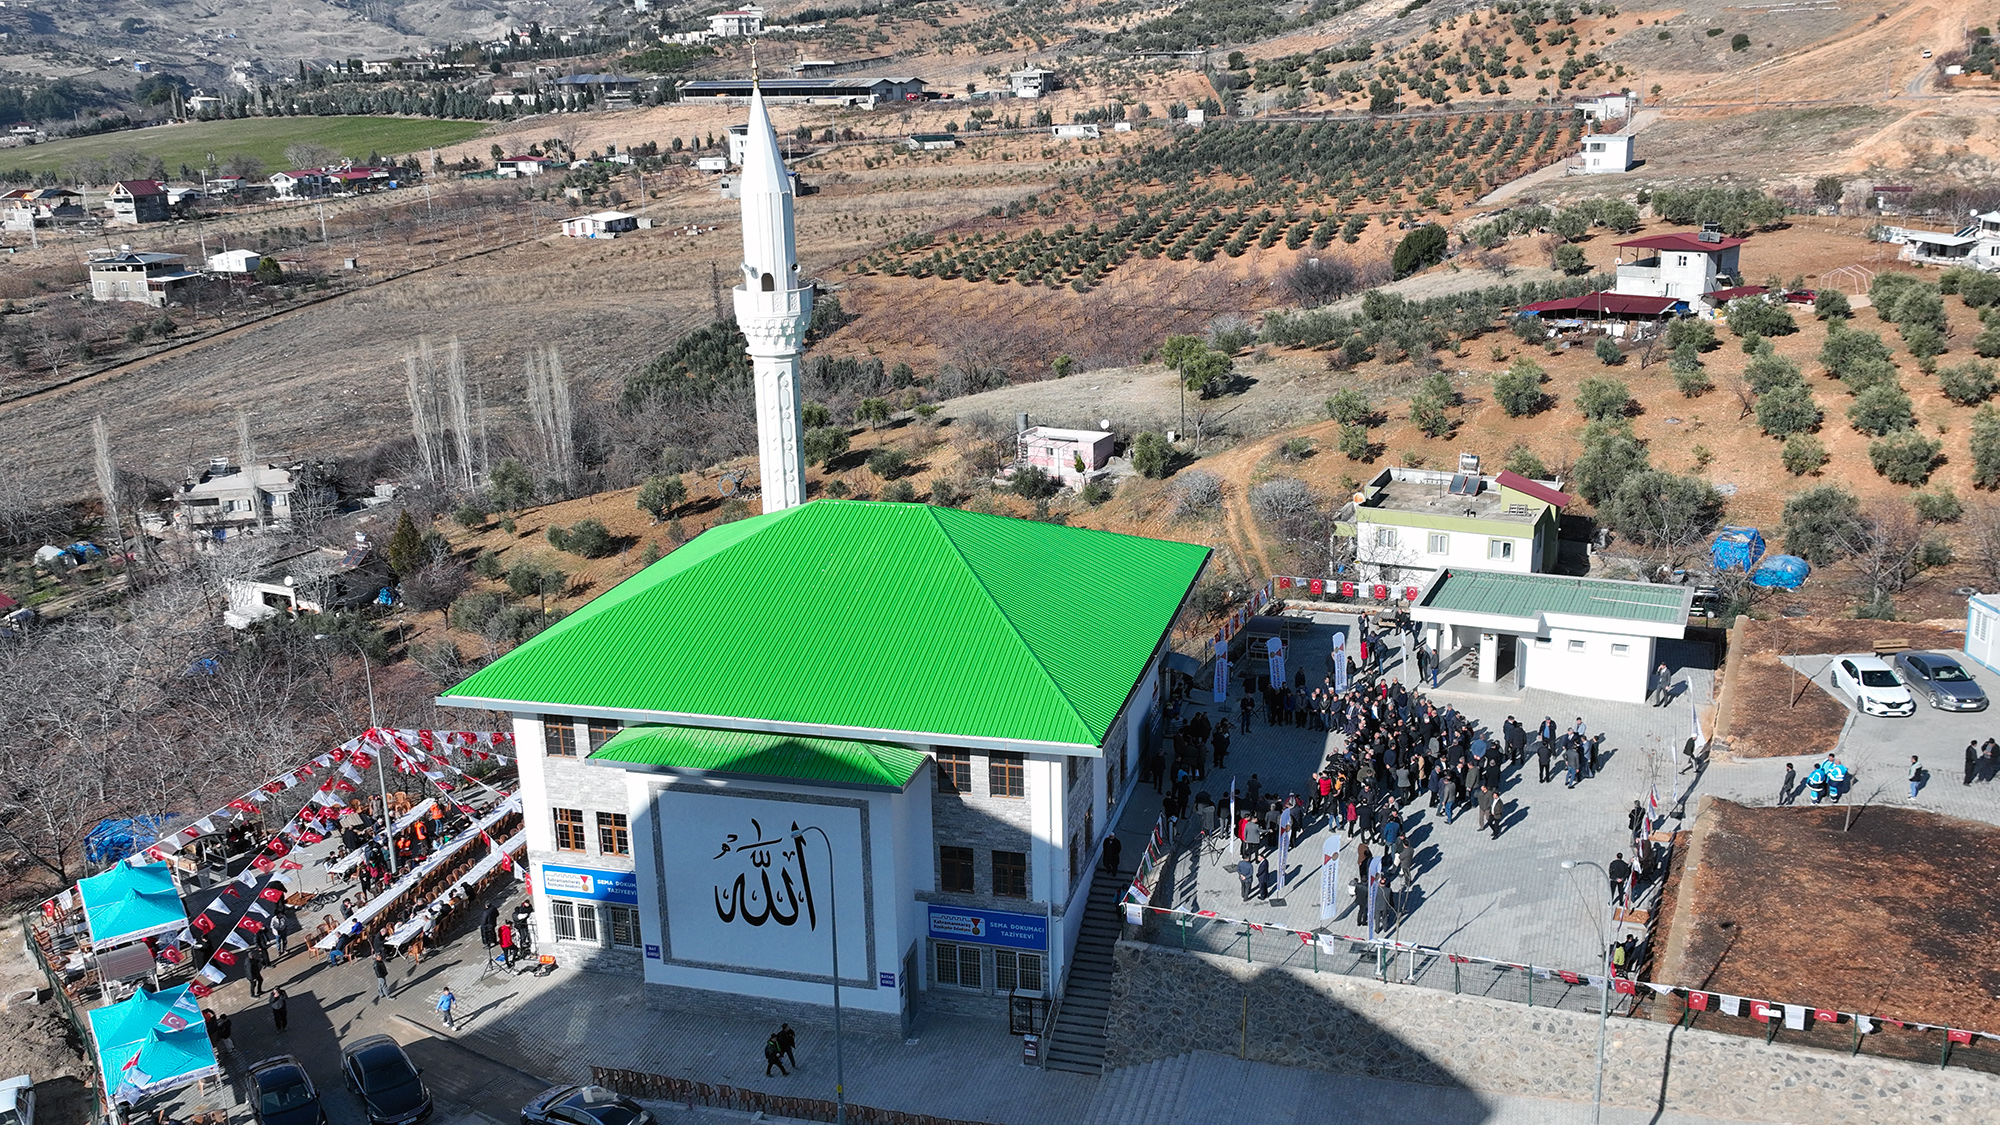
116 839
1783 571
1738 547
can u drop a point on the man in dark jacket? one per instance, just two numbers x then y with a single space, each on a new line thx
489 927
1544 749
1621 875
1516 738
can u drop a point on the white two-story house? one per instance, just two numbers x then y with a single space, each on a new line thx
1408 523
1684 265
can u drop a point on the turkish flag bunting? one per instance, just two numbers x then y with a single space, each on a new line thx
172 955
303 772
362 759
262 863
1825 1015
485 839
250 925
1569 977
203 922
1623 987
1457 960
49 909
1760 1011
289 865
340 784
225 956
1284 583
274 787
506 862
1957 1036
233 891
338 753
200 988
310 837
241 805
1698 1001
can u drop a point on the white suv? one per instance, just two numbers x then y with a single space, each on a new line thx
1873 686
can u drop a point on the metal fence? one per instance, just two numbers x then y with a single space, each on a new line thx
1381 959
62 999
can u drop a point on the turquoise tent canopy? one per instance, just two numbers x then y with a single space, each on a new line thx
139 1055
127 903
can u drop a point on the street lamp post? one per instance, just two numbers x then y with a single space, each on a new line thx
1603 992
381 779
833 930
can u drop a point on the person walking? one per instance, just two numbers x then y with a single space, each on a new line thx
1790 783
253 971
1636 819
381 979
1621 880
774 1055
1448 794
225 1034
787 1040
1916 776
1573 760
1663 686
1496 812
1113 846
279 1013
444 1002
1971 760
1816 782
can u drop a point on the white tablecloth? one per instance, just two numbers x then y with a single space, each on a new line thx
410 878
353 859
480 870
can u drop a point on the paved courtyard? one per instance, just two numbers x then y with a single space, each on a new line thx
1507 898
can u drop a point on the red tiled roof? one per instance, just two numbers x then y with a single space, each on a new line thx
523 159
142 187
1510 479
7 603
1685 241
1614 304
1735 291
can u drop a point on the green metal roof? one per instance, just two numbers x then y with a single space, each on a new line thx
758 754
869 619
1529 595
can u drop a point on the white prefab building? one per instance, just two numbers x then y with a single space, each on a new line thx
1982 630
1608 107
1591 637
234 261
603 224
1074 132
1605 152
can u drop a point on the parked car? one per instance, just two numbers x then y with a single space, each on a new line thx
283 1093
583 1105
377 1069
1872 685
1942 681
17 1101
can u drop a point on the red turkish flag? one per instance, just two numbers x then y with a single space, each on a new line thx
506 863
262 863
200 988
1569 977
1826 1015
289 865
272 894
1284 583
203 922
1623 987
1957 1036
172 955
1698 1001
250 925
225 956
241 805
274 787
1760 1011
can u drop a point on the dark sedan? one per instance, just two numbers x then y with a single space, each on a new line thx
282 1093
583 1105
377 1069
1940 681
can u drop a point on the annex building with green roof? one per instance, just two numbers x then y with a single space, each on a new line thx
912 723
1591 637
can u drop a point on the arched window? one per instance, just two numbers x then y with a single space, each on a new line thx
770 283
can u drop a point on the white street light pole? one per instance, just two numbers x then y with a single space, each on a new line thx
833 931
381 779
1603 991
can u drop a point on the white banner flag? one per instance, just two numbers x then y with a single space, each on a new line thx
1275 650
1221 671
1329 877
1795 1017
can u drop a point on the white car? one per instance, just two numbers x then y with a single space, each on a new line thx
1872 685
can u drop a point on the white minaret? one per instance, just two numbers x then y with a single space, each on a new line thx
773 307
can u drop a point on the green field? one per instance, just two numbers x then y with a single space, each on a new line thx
262 137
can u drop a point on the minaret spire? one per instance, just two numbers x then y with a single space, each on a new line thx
773 306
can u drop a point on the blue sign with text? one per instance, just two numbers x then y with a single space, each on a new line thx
990 927
590 883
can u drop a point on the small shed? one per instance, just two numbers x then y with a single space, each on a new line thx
925 142
1060 452
234 261
1982 630
1737 548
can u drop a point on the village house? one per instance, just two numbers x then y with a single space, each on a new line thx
510 167
138 201
1031 82
299 183
926 142
1074 457
234 261
226 500
1608 107
741 21
603 224
1408 523
1605 153
1684 265
136 277
1074 132
26 208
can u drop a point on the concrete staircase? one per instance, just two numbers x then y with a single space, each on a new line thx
1148 1094
1076 1044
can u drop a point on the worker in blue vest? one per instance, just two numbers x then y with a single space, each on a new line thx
1816 783
1837 777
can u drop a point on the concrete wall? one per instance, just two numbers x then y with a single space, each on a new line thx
1595 672
548 783
1411 559
1166 1003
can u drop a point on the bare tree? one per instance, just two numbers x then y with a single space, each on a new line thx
107 482
247 457
461 420
422 425
555 418
1982 530
1889 548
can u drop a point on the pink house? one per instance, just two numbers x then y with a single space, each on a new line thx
1058 452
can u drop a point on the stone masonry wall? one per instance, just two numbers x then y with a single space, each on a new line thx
1166 1002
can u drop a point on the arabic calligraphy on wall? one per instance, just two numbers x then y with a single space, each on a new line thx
751 896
